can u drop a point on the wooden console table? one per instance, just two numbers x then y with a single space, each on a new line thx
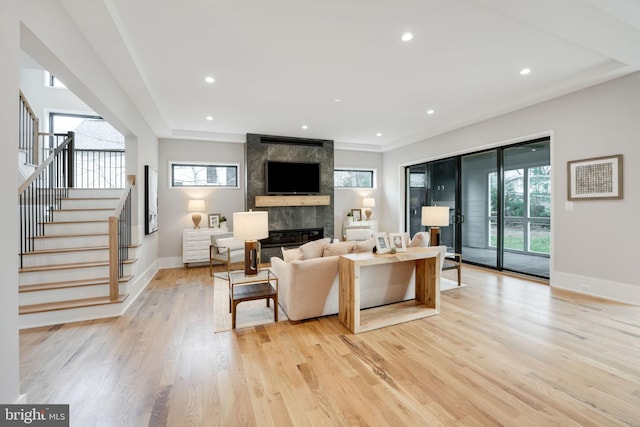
427 296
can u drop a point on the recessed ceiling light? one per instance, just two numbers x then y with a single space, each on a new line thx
407 37
209 79
430 112
525 71
305 127
379 134
337 100
209 118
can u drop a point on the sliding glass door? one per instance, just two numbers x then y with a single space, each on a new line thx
499 201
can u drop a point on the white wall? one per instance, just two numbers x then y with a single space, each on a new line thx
44 99
593 245
347 198
173 217
9 52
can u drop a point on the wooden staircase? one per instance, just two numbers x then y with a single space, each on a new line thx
65 278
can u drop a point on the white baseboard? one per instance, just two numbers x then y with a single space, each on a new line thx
171 262
135 289
622 292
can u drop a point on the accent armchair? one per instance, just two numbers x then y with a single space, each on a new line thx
226 250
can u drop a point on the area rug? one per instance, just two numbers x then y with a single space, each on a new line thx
248 313
254 313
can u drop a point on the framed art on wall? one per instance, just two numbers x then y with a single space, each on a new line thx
150 200
597 178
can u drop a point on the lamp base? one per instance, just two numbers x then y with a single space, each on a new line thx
251 254
434 236
196 220
368 212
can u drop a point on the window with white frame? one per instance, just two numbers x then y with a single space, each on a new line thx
185 174
354 178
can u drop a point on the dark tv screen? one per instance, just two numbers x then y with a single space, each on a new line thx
292 178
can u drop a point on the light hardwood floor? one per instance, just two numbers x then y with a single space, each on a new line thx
503 351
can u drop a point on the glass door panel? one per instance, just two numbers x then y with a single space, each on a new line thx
479 208
527 208
432 184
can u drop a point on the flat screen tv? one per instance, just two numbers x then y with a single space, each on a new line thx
292 178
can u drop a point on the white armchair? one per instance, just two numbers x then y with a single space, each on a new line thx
226 250
358 234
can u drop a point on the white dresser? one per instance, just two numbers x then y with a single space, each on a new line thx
195 244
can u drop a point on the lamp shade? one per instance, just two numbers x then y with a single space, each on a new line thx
195 206
368 202
250 225
435 216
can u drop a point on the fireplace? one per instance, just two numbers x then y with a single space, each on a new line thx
291 238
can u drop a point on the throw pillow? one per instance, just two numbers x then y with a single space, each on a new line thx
364 246
419 240
314 249
338 248
289 255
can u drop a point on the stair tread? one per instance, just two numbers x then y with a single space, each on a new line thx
91 198
76 249
69 284
80 221
63 305
83 209
73 265
58 236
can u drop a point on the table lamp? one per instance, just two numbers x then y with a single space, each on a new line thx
251 227
435 217
367 204
196 206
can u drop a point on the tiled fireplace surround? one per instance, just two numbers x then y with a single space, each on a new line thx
259 149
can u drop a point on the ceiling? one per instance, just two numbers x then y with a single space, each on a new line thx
340 67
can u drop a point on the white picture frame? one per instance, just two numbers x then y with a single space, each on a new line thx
382 243
397 241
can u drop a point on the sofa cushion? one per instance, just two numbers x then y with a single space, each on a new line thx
230 243
338 248
314 249
421 239
364 246
289 255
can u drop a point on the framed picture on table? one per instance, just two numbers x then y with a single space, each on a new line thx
214 220
382 243
397 241
357 214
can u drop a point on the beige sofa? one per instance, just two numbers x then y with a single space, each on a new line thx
308 288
